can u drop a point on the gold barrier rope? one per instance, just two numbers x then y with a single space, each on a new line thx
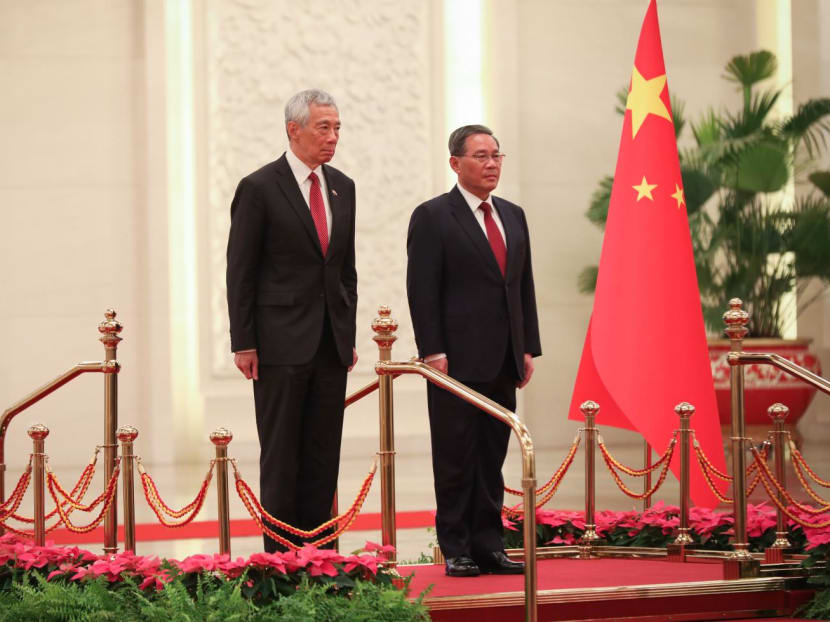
10 505
78 491
613 464
800 463
160 508
796 455
769 482
257 512
542 489
105 499
708 469
549 489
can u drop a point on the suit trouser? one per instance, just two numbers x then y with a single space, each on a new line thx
468 451
299 415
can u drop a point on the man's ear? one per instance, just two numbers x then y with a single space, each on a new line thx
454 164
291 129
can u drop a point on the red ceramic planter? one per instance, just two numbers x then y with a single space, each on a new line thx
764 384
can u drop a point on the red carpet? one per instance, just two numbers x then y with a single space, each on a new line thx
557 574
149 532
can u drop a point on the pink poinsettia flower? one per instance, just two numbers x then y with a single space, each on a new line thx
367 562
233 568
319 561
506 523
64 568
371 547
197 563
567 539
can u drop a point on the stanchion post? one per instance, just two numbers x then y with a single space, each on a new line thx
38 433
589 536
647 478
677 549
127 435
384 327
109 330
778 413
740 562
221 437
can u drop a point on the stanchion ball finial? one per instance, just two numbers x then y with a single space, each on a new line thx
736 319
127 434
37 431
778 412
221 436
109 329
684 409
589 408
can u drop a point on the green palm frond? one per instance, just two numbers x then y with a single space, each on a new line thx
749 70
587 279
677 110
622 100
821 180
708 130
810 125
597 211
752 118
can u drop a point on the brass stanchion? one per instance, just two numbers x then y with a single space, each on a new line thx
109 330
127 435
38 433
589 536
385 327
221 437
778 413
647 478
677 549
740 562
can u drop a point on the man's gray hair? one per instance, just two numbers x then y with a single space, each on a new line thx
459 137
297 108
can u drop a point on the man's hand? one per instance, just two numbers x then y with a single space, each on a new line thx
528 371
440 364
247 363
354 359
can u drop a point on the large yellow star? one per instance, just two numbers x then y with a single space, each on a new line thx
644 99
678 196
644 189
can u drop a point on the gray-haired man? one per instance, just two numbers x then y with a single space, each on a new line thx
292 296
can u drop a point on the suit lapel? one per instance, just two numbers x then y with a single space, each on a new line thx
339 214
511 232
464 215
288 184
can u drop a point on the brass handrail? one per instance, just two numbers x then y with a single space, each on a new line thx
37 395
386 368
776 360
109 329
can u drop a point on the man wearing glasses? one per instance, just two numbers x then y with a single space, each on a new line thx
473 308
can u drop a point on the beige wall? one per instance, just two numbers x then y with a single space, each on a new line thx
86 163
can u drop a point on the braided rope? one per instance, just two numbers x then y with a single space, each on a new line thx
764 480
555 481
769 480
108 497
638 472
10 505
653 489
542 489
796 456
160 508
807 488
257 512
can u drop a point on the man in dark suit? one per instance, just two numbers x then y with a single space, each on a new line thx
473 308
292 297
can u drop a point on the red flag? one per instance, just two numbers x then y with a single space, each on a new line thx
645 351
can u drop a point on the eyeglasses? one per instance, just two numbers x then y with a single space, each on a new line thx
482 158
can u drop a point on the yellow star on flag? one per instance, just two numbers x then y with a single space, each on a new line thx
678 196
644 99
644 189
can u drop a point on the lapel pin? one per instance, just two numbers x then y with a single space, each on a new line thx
334 192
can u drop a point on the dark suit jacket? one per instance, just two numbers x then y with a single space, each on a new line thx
459 302
279 284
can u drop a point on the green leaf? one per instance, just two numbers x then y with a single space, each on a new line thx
809 125
762 167
698 187
597 211
821 180
587 279
749 70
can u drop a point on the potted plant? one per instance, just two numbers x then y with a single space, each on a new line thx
751 239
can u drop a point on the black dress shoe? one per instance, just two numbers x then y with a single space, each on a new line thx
461 566
496 562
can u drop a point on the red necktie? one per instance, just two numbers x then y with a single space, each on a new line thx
318 212
494 237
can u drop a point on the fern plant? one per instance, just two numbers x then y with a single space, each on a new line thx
747 241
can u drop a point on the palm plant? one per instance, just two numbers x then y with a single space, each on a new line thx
749 239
